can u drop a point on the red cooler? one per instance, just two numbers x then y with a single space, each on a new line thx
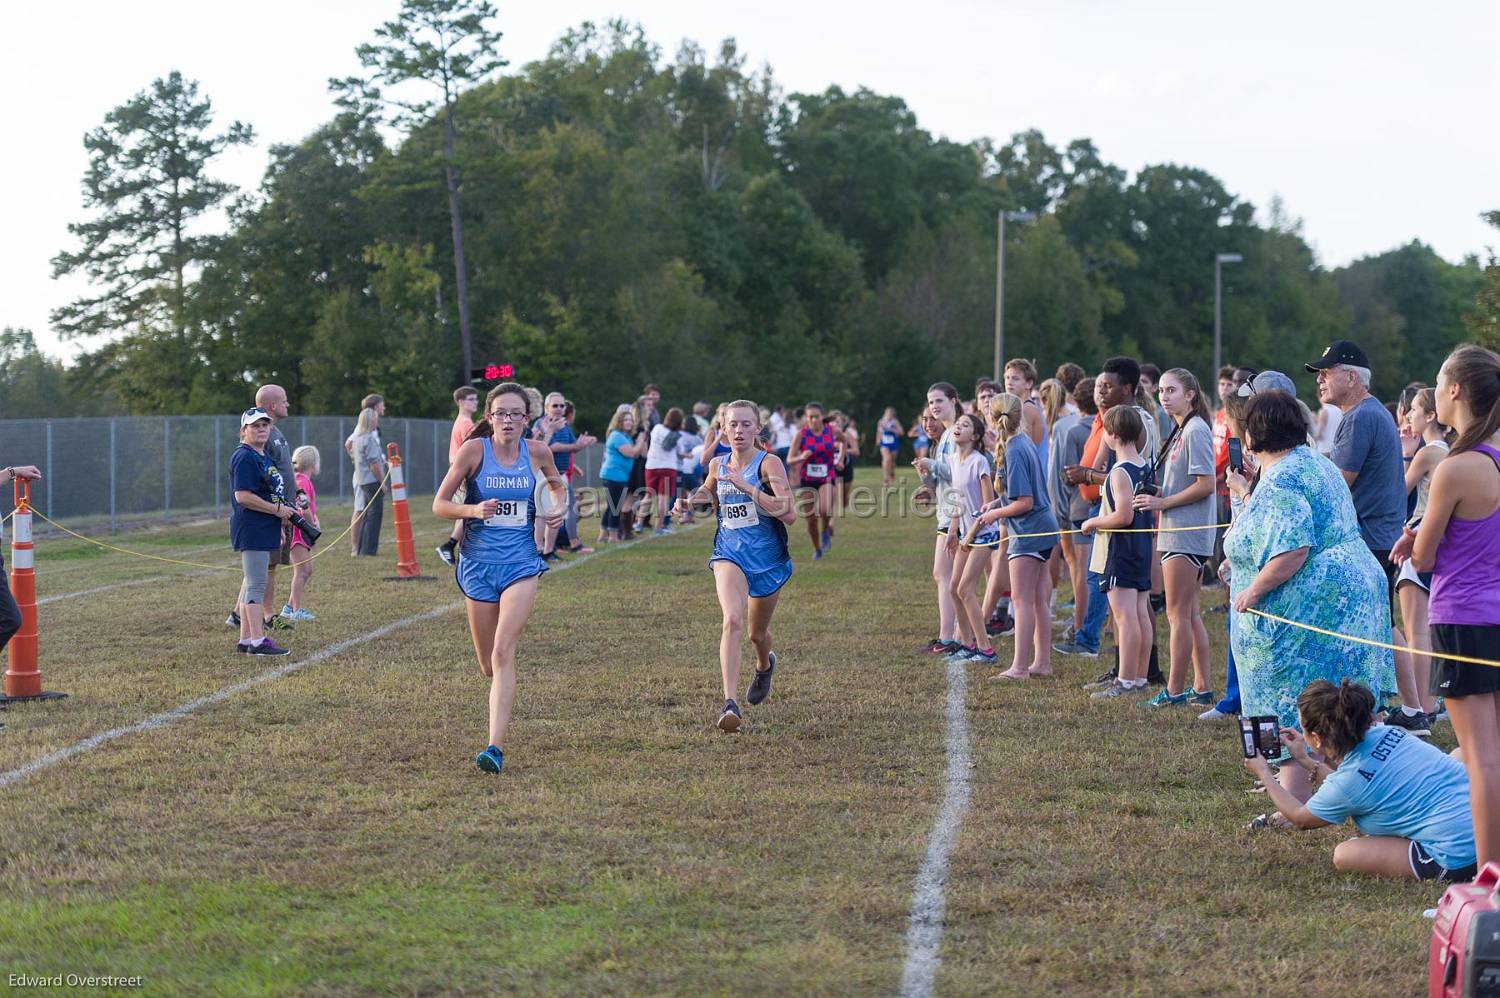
1465 955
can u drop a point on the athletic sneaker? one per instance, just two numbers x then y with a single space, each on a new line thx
959 655
233 620
1074 648
303 614
980 655
941 647
1001 627
1102 681
1215 714
665 531
760 686
1414 724
277 622
580 549
1200 698
817 554
490 760
267 647
242 647
1164 699
1114 691
445 552
729 720
828 538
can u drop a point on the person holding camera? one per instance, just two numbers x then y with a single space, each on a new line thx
1296 551
1409 799
257 511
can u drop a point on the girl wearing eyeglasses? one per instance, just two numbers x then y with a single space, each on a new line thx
499 565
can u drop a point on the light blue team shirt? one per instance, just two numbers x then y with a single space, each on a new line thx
1393 783
616 466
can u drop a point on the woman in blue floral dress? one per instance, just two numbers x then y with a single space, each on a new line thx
1295 551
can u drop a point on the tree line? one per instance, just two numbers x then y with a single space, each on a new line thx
606 217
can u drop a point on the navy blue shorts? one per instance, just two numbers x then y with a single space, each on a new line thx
483 582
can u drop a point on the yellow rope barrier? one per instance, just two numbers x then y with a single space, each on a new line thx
194 564
1374 644
1102 530
1467 660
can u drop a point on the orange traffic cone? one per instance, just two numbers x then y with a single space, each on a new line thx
406 551
22 680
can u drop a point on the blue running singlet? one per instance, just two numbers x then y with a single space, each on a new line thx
749 538
888 438
501 550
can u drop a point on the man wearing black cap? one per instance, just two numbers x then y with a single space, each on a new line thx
1367 449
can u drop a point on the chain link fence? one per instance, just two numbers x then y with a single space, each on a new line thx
127 471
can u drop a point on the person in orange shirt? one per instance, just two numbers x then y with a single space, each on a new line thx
467 400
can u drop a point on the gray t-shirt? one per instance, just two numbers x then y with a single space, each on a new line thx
1059 492
1367 442
1024 477
1079 508
1191 454
367 449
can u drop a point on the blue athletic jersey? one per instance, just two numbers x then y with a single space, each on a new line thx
506 537
747 535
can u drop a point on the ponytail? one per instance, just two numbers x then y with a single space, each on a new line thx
1005 416
1339 715
1477 371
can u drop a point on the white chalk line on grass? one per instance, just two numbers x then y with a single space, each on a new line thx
924 931
167 717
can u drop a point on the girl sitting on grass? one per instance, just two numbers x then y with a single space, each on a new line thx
1409 799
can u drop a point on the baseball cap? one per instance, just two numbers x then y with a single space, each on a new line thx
1268 381
254 415
1340 352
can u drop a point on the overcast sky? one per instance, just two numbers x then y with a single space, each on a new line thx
1374 121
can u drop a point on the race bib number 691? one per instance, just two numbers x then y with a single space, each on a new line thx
508 513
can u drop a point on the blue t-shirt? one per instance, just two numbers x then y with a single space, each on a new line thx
564 435
616 466
1393 783
1024 477
1368 442
250 471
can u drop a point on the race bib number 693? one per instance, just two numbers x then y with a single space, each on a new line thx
739 515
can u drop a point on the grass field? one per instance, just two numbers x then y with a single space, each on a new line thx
327 833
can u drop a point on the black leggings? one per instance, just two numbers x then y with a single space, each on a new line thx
617 490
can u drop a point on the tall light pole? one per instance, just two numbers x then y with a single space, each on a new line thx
1219 262
1004 216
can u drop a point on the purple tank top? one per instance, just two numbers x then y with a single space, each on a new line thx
1466 571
